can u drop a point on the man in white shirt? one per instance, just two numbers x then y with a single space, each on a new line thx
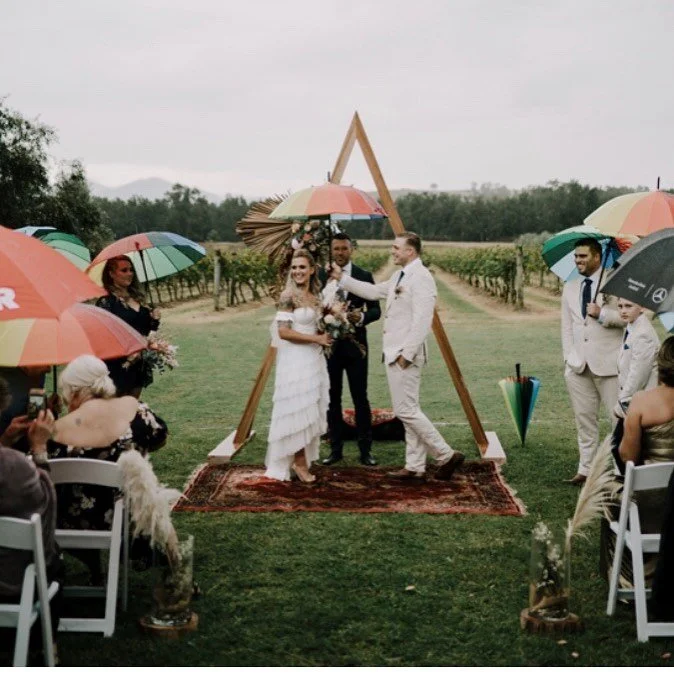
410 300
591 340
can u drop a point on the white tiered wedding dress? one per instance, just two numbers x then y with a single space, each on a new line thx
301 396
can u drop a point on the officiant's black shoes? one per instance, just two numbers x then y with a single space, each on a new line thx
367 459
334 457
446 470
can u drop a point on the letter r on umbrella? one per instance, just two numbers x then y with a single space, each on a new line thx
7 296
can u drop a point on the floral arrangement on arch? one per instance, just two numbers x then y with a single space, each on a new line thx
314 235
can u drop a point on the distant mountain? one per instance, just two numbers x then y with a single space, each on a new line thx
148 188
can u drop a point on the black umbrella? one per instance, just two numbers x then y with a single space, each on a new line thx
645 273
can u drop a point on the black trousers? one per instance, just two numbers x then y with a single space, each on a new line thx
347 357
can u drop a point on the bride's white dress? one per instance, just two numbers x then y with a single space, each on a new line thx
301 396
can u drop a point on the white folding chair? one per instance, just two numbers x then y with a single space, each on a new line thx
628 533
115 540
18 534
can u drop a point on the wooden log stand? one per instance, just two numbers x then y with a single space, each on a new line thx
536 625
169 631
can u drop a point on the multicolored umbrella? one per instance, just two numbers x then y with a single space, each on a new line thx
339 202
520 395
37 282
154 255
645 273
637 213
70 246
558 250
80 329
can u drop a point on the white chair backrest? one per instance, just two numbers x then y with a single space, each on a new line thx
651 476
19 534
86 471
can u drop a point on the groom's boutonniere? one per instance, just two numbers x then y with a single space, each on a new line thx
398 290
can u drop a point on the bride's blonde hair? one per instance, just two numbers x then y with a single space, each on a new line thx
291 288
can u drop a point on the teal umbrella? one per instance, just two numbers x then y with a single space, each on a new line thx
520 394
68 245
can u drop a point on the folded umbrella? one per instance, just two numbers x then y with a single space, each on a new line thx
520 394
645 273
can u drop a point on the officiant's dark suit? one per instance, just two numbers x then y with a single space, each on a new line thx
348 357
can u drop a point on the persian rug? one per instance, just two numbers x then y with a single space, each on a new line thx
477 488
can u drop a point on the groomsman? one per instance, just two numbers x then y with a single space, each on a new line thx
351 358
410 300
591 340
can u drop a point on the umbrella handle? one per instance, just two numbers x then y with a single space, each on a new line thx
604 258
147 282
518 371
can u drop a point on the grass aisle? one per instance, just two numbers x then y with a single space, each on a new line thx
331 589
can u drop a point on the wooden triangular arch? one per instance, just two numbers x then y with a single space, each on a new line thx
487 442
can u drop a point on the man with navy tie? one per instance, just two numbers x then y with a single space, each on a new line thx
591 340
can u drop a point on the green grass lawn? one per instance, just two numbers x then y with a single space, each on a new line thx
330 589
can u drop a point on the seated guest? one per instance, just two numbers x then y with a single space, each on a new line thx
637 368
25 489
98 426
649 438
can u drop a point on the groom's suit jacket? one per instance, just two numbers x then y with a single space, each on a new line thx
408 312
588 341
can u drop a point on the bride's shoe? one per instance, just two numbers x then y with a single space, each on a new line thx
303 474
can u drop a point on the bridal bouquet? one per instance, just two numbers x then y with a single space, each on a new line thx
160 355
334 317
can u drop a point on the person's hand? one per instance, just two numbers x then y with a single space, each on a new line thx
54 403
593 310
335 271
403 362
18 427
355 316
156 314
40 431
324 339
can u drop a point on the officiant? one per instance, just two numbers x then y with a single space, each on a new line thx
351 356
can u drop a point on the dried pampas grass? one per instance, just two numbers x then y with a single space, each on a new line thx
149 503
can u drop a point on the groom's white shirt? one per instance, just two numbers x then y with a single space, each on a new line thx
408 312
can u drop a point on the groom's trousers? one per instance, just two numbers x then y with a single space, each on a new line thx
421 436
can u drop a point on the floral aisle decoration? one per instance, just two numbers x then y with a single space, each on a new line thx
550 569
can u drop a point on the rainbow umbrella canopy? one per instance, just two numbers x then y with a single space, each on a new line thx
520 394
558 250
337 202
69 245
154 255
637 213
80 329
37 282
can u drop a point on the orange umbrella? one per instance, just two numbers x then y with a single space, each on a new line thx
36 281
80 329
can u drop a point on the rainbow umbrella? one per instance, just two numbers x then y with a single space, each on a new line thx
337 202
37 282
80 329
520 393
70 246
637 213
154 255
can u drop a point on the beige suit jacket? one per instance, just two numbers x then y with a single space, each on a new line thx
589 341
408 312
637 366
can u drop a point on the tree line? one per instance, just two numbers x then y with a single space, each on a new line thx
27 197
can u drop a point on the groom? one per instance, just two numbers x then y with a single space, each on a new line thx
410 300
351 357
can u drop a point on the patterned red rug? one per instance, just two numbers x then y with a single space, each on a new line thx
478 488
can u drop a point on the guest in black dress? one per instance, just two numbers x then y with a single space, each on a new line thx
126 301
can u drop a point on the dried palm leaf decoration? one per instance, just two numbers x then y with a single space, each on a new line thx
262 234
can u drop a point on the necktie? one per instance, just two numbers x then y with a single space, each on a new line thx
587 296
400 278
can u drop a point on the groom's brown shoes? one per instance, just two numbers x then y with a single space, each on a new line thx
446 470
407 475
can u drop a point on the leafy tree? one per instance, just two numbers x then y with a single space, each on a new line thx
23 167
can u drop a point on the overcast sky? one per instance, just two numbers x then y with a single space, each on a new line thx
255 97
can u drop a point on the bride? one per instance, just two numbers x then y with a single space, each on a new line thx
301 387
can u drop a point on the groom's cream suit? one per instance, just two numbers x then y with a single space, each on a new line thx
590 347
410 300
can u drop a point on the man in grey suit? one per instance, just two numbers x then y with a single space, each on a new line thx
410 300
591 340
